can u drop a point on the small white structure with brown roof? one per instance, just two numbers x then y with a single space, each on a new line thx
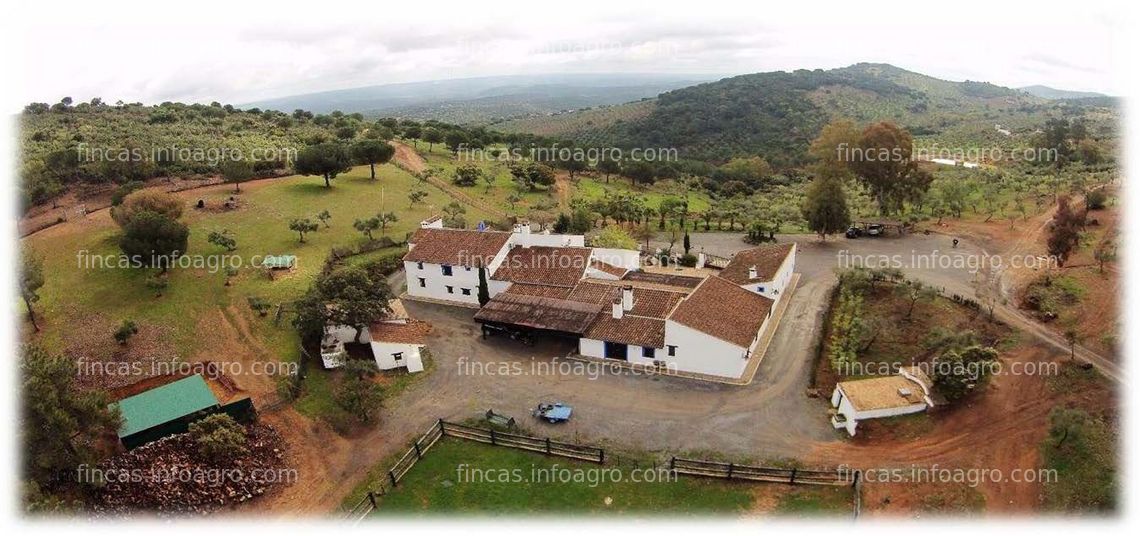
396 341
874 398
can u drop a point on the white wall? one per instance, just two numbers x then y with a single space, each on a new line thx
702 353
778 286
630 259
591 347
843 406
436 283
383 353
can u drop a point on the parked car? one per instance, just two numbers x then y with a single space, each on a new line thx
853 232
875 229
553 413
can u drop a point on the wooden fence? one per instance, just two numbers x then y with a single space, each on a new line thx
522 442
734 471
442 428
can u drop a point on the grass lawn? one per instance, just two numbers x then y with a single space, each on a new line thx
197 311
498 480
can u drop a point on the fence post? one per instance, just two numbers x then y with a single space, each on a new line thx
548 446
601 455
419 453
730 465
492 436
392 477
439 422
793 481
372 499
672 463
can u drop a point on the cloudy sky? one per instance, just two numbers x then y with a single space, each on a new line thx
233 52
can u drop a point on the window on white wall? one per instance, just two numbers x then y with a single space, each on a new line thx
423 282
672 350
446 269
420 265
466 291
648 352
450 289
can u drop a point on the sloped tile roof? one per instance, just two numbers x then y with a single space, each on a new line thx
724 310
629 329
558 266
766 259
539 312
455 247
410 332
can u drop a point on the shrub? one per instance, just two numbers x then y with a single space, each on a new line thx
1095 200
259 304
126 330
219 437
689 260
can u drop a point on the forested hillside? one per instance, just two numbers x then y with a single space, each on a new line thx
777 114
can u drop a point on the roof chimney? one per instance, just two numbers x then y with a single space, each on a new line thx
618 311
522 233
627 297
752 272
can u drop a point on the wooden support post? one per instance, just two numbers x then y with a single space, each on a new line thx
548 445
793 481
492 436
419 453
672 463
392 477
730 466
372 499
601 456
439 422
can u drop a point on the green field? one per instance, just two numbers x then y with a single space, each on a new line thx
463 477
196 311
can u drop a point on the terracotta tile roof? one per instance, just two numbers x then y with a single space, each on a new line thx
616 271
455 247
411 332
558 266
766 259
629 329
539 312
724 310
654 303
881 393
682 281
590 291
545 291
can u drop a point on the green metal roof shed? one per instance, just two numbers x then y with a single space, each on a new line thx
164 411
279 261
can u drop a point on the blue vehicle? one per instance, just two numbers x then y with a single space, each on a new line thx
553 413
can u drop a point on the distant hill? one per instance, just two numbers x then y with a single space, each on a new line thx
1047 92
488 99
777 114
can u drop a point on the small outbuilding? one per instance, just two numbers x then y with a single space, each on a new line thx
907 392
165 410
279 262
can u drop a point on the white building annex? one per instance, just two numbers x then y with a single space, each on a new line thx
553 285
874 398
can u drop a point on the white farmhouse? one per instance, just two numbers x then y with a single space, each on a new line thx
554 285
907 392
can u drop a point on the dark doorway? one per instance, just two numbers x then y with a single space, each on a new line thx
616 350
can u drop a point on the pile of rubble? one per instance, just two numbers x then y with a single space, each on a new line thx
169 476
